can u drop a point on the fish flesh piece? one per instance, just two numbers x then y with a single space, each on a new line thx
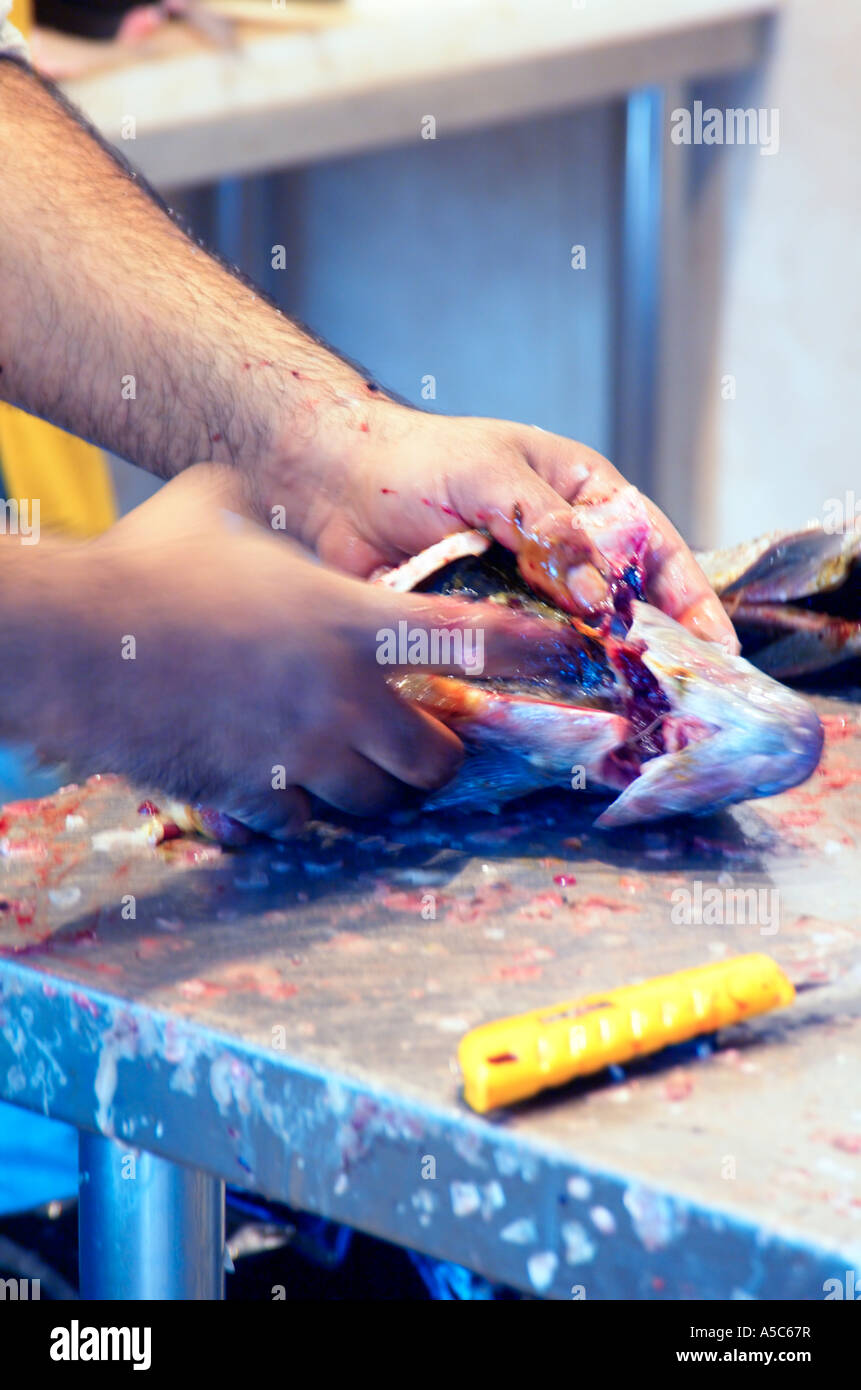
794 597
638 705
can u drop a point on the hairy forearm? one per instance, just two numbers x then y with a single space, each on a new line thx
117 327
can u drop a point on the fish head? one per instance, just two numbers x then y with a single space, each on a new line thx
794 597
729 732
643 707
783 565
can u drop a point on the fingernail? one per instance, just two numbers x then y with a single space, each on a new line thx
702 625
705 631
587 588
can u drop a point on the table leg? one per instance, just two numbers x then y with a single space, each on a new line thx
147 1228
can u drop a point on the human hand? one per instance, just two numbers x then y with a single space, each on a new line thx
255 676
374 482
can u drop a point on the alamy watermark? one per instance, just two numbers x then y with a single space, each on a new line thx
85 1343
715 905
19 516
443 647
840 515
847 1287
20 1290
734 126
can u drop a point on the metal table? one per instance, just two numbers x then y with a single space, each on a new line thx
286 1019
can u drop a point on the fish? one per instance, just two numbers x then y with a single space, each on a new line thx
631 704
637 706
794 598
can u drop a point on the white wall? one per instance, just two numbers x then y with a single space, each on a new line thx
451 258
790 308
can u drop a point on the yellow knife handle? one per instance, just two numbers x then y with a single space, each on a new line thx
517 1057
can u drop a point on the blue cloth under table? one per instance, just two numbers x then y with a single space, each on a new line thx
38 1157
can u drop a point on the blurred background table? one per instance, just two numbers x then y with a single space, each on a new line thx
332 79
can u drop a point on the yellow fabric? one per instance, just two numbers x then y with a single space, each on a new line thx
70 478
22 16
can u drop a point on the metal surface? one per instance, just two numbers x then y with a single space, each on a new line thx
147 1228
287 1018
639 307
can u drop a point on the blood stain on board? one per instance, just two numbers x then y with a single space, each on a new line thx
835 779
600 900
837 727
155 947
678 1087
202 989
518 973
799 820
